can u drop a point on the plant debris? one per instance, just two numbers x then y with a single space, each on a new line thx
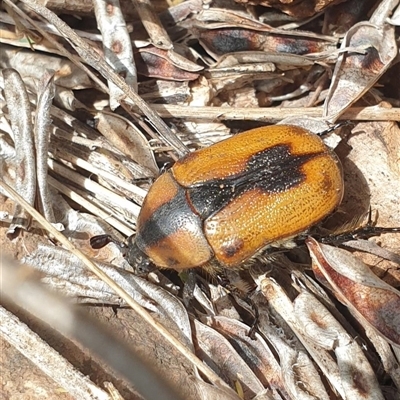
96 99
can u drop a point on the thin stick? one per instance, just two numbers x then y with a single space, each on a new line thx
270 114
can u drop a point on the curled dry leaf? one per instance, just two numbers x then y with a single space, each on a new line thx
259 356
291 356
152 24
395 19
157 63
369 298
42 138
372 179
321 327
31 64
21 168
222 38
127 138
368 51
350 372
387 354
227 362
163 58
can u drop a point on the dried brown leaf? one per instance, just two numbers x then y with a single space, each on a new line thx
368 51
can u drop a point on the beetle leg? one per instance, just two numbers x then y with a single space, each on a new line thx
188 288
254 326
334 127
366 231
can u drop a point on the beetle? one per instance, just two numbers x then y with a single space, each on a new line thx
222 205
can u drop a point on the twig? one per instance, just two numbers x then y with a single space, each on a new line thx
272 115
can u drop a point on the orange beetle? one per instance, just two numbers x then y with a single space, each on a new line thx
223 204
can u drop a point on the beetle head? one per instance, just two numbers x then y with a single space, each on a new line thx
136 258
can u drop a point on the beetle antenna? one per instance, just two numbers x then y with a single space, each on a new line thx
99 241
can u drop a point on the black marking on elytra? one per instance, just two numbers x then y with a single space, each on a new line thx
171 217
273 170
231 249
